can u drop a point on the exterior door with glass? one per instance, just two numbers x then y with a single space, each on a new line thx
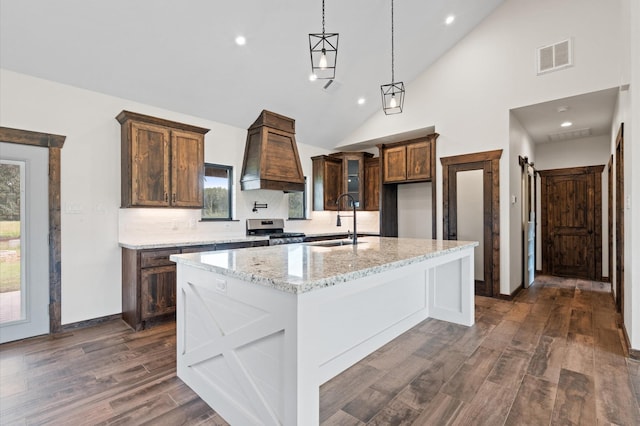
24 245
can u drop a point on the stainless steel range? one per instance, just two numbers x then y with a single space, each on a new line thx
274 229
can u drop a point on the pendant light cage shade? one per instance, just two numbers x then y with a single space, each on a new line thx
392 93
324 54
392 97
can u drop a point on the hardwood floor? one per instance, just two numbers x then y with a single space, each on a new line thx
551 356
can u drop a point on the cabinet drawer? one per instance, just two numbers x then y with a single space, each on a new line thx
198 249
238 245
153 258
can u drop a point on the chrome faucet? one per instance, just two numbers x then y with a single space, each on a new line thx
339 223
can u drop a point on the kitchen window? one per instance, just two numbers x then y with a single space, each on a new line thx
298 203
218 181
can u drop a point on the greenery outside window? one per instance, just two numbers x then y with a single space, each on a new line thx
298 203
218 181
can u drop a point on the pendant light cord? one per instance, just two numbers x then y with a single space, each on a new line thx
393 79
323 17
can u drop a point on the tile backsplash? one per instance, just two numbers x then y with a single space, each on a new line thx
165 225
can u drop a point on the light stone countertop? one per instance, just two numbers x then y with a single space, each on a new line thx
151 244
299 268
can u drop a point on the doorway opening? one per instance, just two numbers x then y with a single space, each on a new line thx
24 291
454 171
571 218
53 143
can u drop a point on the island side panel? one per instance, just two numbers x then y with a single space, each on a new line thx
357 317
238 349
451 288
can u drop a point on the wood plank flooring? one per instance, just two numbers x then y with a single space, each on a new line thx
551 356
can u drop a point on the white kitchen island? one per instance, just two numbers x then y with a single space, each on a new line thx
260 329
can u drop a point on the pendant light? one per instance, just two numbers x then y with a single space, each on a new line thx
324 53
393 93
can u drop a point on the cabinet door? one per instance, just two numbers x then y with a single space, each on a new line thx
419 161
187 169
149 165
332 184
353 183
157 291
372 184
395 164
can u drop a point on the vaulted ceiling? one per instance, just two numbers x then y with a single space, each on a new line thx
181 55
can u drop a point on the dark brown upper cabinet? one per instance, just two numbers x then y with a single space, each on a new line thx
339 173
162 162
409 161
327 182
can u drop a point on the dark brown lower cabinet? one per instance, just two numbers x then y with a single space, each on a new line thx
157 291
149 281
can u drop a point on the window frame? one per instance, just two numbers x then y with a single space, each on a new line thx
229 170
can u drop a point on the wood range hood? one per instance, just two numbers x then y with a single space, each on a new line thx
271 159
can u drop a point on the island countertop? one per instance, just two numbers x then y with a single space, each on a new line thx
299 268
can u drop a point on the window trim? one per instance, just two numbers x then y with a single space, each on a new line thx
229 170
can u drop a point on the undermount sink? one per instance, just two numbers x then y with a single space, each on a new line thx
334 243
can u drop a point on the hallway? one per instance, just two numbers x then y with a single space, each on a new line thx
551 356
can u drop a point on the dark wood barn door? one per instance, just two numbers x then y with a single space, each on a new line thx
572 222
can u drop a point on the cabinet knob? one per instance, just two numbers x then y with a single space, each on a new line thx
173 197
166 197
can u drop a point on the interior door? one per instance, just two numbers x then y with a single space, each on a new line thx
470 220
489 163
528 223
24 225
467 182
571 222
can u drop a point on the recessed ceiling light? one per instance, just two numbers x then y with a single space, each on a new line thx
313 77
361 101
563 108
450 19
566 124
241 41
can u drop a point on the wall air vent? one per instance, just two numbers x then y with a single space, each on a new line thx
554 57
572 134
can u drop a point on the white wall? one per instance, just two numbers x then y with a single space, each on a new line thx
591 151
415 210
468 93
92 221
